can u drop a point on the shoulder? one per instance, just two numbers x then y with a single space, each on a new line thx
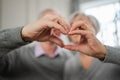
23 51
29 47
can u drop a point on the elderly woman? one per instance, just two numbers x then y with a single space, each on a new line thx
83 67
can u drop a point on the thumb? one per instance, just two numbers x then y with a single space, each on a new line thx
71 47
56 40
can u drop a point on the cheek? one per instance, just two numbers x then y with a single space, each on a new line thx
78 37
75 38
71 38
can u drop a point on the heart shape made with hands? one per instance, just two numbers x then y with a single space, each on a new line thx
87 42
61 42
80 40
73 35
76 34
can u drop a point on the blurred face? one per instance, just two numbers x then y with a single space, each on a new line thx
75 38
48 12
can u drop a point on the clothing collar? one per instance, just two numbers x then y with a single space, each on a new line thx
39 51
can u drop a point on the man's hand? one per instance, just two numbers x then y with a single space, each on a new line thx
88 44
42 30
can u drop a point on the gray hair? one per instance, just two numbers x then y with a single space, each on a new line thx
94 21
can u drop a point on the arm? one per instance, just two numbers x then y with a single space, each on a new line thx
91 46
112 55
40 30
10 39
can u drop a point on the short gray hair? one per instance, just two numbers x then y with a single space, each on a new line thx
94 21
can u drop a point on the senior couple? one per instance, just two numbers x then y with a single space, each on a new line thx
46 60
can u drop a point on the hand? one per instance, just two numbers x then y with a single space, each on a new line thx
42 30
88 44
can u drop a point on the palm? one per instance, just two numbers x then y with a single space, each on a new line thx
84 48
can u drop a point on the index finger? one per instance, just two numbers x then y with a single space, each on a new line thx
58 20
55 25
64 23
80 25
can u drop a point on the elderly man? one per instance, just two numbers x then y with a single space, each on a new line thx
42 61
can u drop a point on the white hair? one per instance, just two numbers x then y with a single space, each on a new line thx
94 21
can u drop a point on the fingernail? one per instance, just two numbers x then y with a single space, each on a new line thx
70 32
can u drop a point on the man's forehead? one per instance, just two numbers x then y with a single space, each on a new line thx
46 12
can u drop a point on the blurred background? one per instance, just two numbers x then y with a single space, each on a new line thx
15 13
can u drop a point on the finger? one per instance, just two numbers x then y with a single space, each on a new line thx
78 32
62 22
55 25
71 47
65 24
58 19
80 25
85 33
43 35
57 40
